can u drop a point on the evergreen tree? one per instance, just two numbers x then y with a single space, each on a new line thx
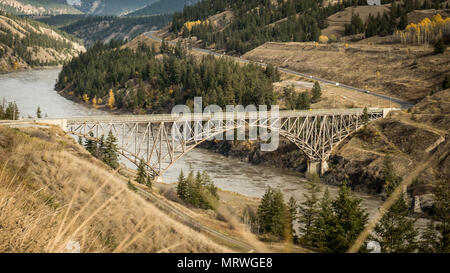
339 222
351 219
308 209
436 238
90 145
396 232
440 46
365 116
303 101
389 177
292 215
111 155
141 177
38 112
272 213
181 186
316 92
322 232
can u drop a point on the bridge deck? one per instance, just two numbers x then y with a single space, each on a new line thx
204 117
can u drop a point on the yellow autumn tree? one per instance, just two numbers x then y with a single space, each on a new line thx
111 99
85 98
16 65
190 24
426 31
94 101
323 39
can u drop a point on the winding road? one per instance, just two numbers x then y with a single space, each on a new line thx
403 104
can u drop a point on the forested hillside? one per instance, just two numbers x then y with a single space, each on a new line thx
141 82
26 43
163 7
255 22
37 7
105 28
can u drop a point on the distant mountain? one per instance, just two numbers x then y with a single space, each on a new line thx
110 7
163 6
27 43
37 7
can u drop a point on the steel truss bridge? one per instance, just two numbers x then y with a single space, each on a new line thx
161 140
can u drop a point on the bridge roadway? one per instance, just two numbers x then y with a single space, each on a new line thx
403 104
225 116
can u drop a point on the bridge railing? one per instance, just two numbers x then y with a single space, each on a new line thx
224 116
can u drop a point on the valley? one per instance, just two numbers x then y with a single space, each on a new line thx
362 157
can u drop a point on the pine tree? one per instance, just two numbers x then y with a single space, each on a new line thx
351 219
322 233
111 155
440 46
308 209
395 232
181 186
316 92
38 112
365 116
303 101
339 222
141 177
436 238
272 213
90 145
389 177
292 215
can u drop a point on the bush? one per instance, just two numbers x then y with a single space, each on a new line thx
440 46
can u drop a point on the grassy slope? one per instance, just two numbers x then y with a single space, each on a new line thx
408 73
46 201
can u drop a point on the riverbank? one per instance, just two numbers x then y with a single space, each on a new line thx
29 68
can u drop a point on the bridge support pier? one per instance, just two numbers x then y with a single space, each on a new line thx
315 167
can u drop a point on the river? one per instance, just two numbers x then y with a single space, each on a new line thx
35 88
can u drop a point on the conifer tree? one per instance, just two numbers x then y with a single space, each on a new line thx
292 215
396 232
181 186
436 238
38 112
303 101
308 209
339 222
272 213
365 116
90 144
316 92
141 177
111 155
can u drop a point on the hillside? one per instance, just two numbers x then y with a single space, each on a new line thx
408 138
406 72
26 43
37 7
256 22
105 28
46 202
110 7
163 7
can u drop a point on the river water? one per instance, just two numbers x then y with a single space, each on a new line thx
35 88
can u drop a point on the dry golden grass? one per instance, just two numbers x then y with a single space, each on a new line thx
52 192
408 73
